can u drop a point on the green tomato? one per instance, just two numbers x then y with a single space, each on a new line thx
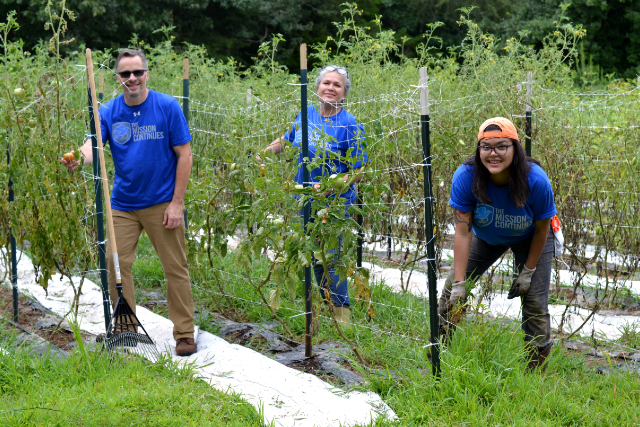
32 122
338 183
19 93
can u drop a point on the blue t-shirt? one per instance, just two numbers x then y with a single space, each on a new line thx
141 139
337 140
501 222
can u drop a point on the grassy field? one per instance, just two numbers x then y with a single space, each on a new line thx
483 379
98 391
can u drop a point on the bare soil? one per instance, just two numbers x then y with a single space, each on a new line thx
27 318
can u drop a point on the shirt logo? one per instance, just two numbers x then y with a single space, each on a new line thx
515 223
121 132
483 215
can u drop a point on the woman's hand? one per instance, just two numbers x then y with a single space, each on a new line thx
316 188
522 284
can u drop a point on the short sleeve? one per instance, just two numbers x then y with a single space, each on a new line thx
541 198
357 145
291 135
462 197
179 128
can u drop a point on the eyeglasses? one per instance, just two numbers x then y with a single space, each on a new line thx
127 74
339 70
500 150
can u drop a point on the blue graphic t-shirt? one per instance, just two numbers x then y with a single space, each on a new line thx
501 222
337 140
141 139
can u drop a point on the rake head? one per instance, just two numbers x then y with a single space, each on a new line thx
123 336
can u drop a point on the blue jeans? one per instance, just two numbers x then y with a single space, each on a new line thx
338 290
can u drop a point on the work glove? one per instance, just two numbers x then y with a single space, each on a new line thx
521 285
458 293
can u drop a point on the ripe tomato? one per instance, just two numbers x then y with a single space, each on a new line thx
69 157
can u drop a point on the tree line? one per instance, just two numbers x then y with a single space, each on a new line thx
236 28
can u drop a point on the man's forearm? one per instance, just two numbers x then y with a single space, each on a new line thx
87 152
183 172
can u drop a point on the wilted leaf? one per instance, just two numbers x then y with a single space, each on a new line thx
291 286
274 299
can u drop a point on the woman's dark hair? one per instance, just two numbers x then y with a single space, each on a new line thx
520 167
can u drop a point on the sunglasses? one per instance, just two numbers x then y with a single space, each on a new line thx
339 70
127 74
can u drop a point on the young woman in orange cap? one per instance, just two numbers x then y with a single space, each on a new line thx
503 200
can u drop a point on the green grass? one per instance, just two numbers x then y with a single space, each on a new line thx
483 380
102 392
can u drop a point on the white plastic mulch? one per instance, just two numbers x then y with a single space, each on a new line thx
286 396
606 325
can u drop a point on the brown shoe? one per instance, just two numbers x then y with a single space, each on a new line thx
186 347
538 358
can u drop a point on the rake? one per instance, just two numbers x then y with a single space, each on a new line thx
122 335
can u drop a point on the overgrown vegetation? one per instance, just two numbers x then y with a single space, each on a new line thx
583 139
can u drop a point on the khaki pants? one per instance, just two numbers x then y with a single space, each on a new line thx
171 249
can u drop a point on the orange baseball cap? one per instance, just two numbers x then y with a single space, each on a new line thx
508 129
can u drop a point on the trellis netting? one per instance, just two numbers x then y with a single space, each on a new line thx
584 139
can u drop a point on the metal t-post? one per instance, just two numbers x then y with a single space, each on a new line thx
185 111
360 221
428 214
14 260
308 350
97 186
527 114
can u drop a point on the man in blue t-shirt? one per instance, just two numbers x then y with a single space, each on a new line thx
150 144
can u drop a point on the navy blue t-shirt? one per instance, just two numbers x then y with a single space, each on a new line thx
501 222
141 139
337 140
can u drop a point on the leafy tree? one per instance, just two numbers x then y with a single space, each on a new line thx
613 29
236 28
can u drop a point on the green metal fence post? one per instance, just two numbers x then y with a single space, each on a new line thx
527 115
429 230
305 182
97 186
185 111
14 260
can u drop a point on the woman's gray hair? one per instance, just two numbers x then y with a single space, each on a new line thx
335 68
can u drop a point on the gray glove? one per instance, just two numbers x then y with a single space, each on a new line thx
458 293
521 285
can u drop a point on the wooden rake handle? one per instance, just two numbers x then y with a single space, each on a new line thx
103 169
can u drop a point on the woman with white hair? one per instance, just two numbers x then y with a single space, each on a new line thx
336 139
